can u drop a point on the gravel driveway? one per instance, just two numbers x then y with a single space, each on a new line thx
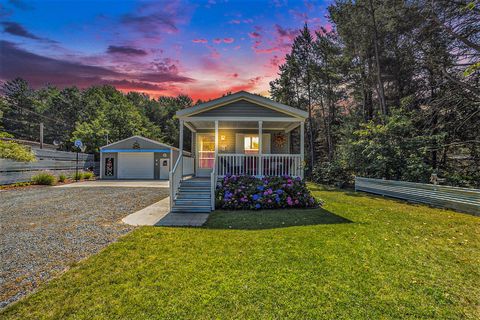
44 230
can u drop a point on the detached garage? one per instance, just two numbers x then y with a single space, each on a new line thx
137 158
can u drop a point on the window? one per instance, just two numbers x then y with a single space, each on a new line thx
206 151
251 144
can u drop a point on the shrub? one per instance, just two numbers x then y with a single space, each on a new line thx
77 176
88 175
62 177
251 193
12 150
44 178
332 173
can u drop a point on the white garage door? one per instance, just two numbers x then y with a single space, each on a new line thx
135 165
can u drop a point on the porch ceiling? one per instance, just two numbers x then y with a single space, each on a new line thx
267 125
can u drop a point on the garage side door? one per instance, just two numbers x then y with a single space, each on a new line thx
135 165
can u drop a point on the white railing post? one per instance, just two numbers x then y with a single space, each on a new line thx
260 149
213 175
302 148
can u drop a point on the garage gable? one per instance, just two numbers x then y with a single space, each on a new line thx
137 144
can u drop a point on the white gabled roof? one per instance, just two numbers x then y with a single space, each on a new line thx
269 103
140 138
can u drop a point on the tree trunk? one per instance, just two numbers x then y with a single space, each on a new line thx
381 91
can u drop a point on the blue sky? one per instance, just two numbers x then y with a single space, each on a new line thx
200 48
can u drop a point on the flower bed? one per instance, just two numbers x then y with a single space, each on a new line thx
251 193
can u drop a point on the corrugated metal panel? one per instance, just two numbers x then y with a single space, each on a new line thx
461 199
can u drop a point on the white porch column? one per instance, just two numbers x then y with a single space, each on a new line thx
260 148
216 144
302 147
180 147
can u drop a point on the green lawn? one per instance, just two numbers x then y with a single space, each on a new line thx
362 257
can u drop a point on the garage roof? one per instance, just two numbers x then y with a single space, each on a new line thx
149 144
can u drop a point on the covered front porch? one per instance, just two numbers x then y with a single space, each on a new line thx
257 148
238 134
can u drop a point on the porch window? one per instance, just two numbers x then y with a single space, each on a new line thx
206 153
251 144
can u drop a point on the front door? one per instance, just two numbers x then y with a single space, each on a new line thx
164 168
205 153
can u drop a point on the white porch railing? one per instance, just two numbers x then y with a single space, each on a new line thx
182 168
213 185
175 177
259 165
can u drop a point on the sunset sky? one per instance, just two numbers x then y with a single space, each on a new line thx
199 48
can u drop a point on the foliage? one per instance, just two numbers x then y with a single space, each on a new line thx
248 192
395 260
44 178
87 175
333 173
415 62
62 177
16 184
13 150
92 114
77 176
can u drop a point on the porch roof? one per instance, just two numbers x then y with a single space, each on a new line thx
232 125
278 111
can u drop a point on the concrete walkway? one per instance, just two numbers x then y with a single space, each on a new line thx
118 183
158 215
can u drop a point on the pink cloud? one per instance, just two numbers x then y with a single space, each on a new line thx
200 40
228 40
217 40
234 21
254 34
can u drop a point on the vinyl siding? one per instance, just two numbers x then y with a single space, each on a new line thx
242 108
228 144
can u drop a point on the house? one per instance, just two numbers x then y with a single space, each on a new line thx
238 134
139 158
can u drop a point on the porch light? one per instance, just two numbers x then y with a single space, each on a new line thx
222 138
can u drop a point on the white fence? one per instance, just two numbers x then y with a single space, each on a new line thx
259 165
461 199
56 162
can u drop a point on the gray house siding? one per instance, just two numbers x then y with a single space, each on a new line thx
227 145
242 108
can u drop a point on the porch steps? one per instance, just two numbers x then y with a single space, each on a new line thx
193 197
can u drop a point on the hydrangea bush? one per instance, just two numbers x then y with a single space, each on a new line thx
251 193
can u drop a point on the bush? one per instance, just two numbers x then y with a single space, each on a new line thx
332 173
14 151
246 192
44 178
62 177
77 176
88 175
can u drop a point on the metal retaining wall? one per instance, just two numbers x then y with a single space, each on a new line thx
460 199
56 162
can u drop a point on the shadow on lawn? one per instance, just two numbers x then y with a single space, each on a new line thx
271 219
